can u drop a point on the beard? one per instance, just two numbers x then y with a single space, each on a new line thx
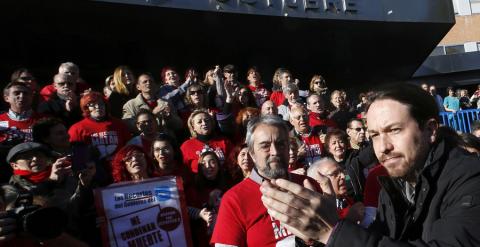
276 171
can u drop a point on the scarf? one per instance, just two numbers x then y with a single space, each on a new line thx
34 177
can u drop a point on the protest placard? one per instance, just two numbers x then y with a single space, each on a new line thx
150 212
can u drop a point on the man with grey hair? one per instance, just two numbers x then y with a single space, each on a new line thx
346 207
69 69
242 219
64 103
291 98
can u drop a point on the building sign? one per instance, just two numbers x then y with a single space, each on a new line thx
147 213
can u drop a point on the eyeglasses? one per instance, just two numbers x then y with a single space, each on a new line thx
62 84
96 105
196 92
336 173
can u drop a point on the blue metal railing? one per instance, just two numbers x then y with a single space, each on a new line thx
460 120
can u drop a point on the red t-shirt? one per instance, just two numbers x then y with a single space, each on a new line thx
11 130
372 186
107 136
243 220
49 90
315 120
277 97
314 147
191 150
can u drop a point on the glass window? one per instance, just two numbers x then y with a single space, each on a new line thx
475 5
455 6
438 51
454 49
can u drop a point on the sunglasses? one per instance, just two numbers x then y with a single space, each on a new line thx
61 84
196 92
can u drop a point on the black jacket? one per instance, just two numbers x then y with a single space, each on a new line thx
445 212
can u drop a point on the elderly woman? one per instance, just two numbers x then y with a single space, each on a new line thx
98 129
336 145
201 126
130 164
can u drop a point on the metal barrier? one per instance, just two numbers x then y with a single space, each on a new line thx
460 120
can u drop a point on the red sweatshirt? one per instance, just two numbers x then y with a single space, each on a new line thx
107 136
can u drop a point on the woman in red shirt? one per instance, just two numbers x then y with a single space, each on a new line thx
130 164
201 125
98 129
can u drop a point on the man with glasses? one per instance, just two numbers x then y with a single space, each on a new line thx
356 133
346 207
308 138
64 103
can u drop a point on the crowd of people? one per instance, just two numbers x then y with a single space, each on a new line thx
234 143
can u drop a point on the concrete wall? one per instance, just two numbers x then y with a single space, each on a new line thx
466 29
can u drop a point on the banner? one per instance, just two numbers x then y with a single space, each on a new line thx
150 212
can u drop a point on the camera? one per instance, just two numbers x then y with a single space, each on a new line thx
42 223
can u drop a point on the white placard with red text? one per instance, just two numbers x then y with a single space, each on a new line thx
147 213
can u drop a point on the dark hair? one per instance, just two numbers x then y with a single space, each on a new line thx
232 163
349 123
230 68
421 104
177 153
144 111
251 102
17 73
470 141
41 129
476 125
222 179
6 89
147 74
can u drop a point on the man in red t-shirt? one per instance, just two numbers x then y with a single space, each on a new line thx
16 124
71 70
318 114
310 147
242 219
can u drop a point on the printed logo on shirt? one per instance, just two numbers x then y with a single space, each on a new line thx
14 134
279 231
106 142
314 153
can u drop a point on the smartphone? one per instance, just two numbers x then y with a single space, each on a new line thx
80 157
